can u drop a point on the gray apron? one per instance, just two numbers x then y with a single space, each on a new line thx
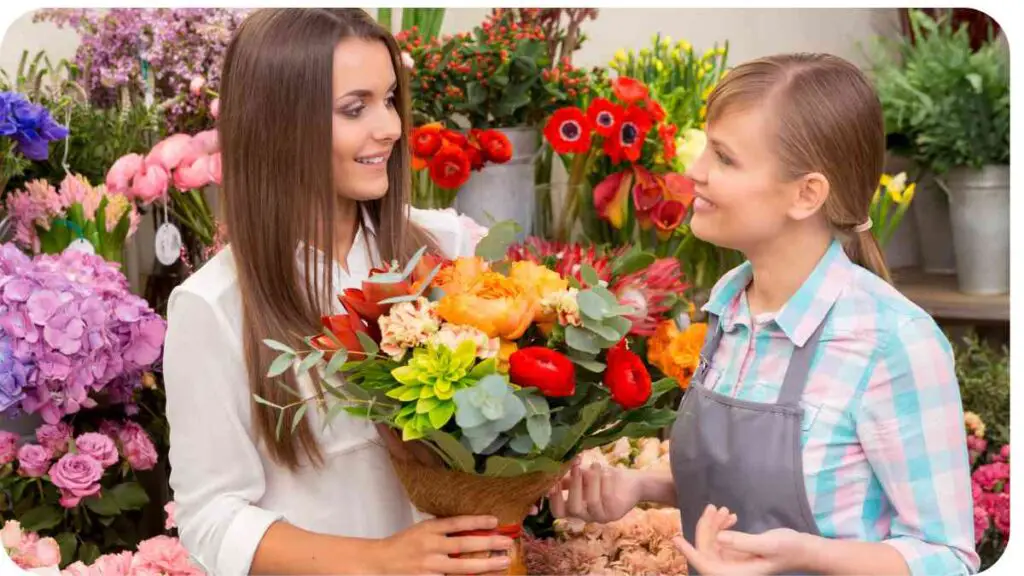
743 455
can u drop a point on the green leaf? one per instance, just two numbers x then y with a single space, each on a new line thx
442 414
660 388
484 368
88 552
280 347
425 405
502 467
312 360
542 464
582 340
632 262
620 325
68 546
337 361
129 496
40 518
494 246
476 94
522 444
280 425
369 346
413 262
535 405
589 275
19 489
539 428
280 364
606 294
260 400
590 365
400 299
592 305
460 457
103 504
297 417
588 415
602 330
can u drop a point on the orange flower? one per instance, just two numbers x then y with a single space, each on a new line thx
676 353
457 275
495 304
450 167
629 90
426 140
538 281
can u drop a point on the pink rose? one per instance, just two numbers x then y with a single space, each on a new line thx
113 565
168 152
163 554
55 437
33 460
8 447
77 476
99 446
169 510
120 175
215 108
138 448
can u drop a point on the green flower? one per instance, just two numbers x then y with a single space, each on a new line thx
428 384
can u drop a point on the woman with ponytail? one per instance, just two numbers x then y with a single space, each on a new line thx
823 430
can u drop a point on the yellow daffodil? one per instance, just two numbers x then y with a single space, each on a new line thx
666 42
708 54
685 46
676 55
707 92
620 55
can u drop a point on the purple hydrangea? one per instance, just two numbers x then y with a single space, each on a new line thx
13 375
178 44
73 319
29 125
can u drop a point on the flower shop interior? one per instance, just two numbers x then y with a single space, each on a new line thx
109 200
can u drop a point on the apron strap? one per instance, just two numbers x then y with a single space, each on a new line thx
800 368
707 352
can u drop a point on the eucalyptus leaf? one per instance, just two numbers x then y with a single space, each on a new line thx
400 299
589 275
280 364
370 347
338 360
413 262
522 444
592 305
502 467
280 347
494 246
590 365
458 454
299 414
582 340
308 362
539 428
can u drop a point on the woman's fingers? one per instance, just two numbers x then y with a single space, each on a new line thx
576 505
592 492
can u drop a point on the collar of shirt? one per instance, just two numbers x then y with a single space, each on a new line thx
362 257
802 313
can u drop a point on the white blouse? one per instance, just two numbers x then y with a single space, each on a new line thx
227 489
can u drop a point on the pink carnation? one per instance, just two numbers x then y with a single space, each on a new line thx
113 565
80 569
164 555
8 447
33 461
77 476
137 446
990 474
10 534
55 437
981 523
99 446
169 522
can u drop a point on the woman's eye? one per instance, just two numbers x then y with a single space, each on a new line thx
723 159
352 111
390 101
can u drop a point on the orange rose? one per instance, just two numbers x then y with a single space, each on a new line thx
539 281
493 303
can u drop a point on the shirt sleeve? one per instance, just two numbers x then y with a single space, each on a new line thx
910 425
216 470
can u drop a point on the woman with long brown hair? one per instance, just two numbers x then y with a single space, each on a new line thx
313 125
823 430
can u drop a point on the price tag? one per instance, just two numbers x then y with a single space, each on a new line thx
168 244
81 245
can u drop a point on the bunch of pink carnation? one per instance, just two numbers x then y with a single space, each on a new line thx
27 549
990 485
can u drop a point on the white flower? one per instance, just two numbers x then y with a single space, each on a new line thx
563 304
407 61
451 335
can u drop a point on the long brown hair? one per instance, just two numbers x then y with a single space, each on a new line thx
275 133
829 120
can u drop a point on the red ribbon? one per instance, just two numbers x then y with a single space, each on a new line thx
513 531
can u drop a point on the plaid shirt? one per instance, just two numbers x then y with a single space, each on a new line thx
884 448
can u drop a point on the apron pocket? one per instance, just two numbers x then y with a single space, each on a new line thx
810 414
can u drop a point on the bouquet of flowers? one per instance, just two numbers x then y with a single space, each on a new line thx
185 162
48 220
505 369
26 130
71 334
990 485
614 179
81 489
442 160
889 205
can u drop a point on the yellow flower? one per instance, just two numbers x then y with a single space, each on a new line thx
685 46
874 199
720 51
676 56
709 53
690 146
703 112
659 65
505 351
666 41
645 53
709 66
707 92
536 280
620 55
675 352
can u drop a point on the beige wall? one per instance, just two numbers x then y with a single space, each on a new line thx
750 32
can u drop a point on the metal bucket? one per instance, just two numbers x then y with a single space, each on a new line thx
931 212
502 192
979 202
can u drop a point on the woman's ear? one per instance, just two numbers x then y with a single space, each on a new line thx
811 193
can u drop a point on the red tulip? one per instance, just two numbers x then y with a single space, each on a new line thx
626 377
545 369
